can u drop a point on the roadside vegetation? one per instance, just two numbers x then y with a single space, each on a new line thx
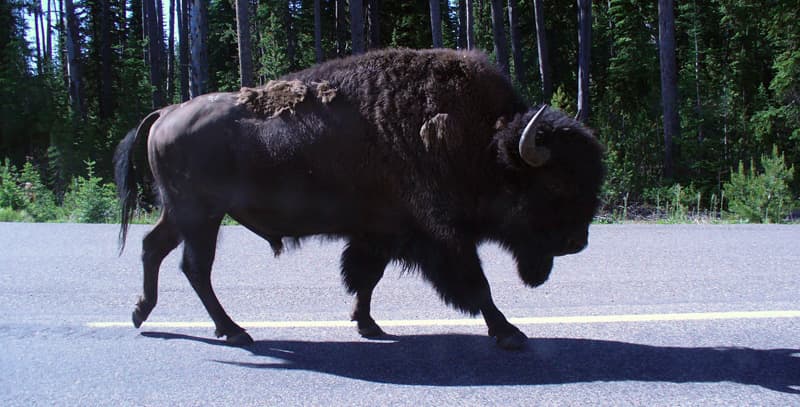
25 198
760 194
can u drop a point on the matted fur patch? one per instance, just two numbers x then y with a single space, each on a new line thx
274 98
325 92
438 130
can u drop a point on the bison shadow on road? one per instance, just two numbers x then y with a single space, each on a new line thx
469 360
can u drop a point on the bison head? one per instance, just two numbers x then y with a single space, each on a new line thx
553 171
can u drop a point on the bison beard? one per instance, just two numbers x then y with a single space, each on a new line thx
410 156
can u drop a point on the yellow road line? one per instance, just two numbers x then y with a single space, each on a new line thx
586 319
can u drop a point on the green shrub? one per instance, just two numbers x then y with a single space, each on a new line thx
677 203
761 197
25 194
617 186
40 203
89 200
11 215
11 196
562 100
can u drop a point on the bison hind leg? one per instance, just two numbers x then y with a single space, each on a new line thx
199 249
157 244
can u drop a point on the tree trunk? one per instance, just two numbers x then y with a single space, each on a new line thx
698 107
436 23
318 55
245 50
291 37
516 41
374 24
198 28
499 34
106 107
146 13
357 25
669 80
462 24
154 35
171 53
73 59
162 48
470 24
341 29
42 29
36 12
183 48
63 58
133 33
160 21
544 54
584 58
49 32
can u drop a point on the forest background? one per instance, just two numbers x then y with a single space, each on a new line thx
697 102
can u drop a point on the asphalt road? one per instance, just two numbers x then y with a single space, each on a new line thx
646 315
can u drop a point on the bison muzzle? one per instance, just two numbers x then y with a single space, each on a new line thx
414 157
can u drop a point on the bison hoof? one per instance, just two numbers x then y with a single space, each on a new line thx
239 339
370 330
141 312
138 318
514 341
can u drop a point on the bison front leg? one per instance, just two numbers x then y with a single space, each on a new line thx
507 335
198 256
362 267
460 280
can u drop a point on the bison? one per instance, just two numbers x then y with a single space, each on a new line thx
414 157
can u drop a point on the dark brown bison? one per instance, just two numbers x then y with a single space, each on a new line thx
410 156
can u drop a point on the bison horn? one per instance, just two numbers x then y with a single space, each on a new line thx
530 153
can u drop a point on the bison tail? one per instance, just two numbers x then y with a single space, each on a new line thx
125 175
